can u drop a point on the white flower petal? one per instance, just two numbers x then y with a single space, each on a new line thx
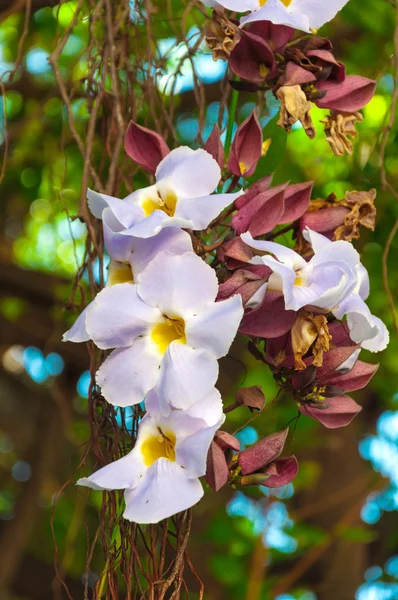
317 240
381 340
365 328
117 245
191 453
201 211
118 315
153 224
215 328
364 284
318 13
118 475
331 282
209 409
276 12
190 173
78 332
164 490
170 239
125 212
178 285
187 375
128 374
285 255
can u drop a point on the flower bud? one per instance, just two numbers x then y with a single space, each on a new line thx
262 453
252 397
217 472
214 146
297 75
234 253
277 36
332 69
252 58
258 187
245 282
262 213
253 479
226 441
246 147
147 148
280 472
270 319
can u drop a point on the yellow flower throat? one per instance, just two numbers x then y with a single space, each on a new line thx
158 446
172 329
285 2
166 202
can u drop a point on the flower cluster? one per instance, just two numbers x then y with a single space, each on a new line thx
302 71
158 314
193 261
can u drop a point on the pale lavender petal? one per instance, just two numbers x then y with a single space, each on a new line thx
319 13
187 375
125 212
190 174
331 283
128 374
209 409
118 475
165 490
364 284
285 255
215 328
78 332
118 246
170 239
276 12
179 286
149 226
380 340
191 453
118 316
201 211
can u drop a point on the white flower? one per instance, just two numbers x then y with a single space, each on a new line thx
324 281
160 475
129 256
334 279
365 329
167 329
307 15
181 197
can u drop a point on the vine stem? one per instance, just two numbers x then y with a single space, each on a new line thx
231 119
104 575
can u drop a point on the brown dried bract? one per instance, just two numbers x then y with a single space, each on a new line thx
222 35
295 107
362 212
339 127
309 330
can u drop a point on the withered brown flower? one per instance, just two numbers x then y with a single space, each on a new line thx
222 35
295 107
339 127
309 330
